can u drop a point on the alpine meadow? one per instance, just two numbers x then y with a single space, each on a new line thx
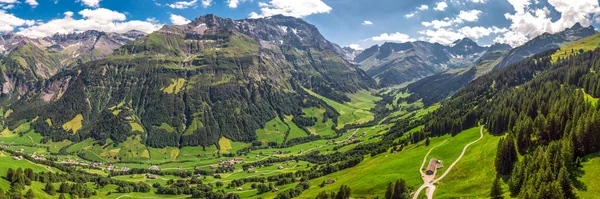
316 99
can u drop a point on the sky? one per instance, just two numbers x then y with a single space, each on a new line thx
355 23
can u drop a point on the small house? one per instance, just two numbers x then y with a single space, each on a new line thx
330 181
279 167
240 189
154 168
433 165
275 190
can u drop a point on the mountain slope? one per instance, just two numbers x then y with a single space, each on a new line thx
546 42
193 84
393 63
437 87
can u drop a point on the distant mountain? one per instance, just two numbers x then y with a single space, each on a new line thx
190 85
28 60
545 42
351 53
437 87
397 63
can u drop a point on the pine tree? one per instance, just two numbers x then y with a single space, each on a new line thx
50 189
496 189
62 196
427 142
390 191
30 194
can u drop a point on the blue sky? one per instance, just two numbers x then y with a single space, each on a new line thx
360 23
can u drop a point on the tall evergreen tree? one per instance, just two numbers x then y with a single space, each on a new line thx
390 191
496 189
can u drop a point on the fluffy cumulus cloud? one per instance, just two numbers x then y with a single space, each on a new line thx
206 3
90 3
32 3
367 23
528 22
441 6
442 36
235 3
448 30
423 7
179 20
479 32
183 4
355 47
8 22
7 4
98 19
295 8
395 37
409 15
463 16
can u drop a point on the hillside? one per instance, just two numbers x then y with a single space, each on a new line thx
546 42
393 63
182 85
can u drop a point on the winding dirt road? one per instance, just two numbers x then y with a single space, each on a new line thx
429 184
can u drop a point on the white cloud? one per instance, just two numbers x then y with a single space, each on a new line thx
396 37
235 3
479 32
294 8
468 16
8 1
206 3
441 6
527 22
152 20
8 22
91 3
423 7
7 6
183 4
409 15
442 36
471 15
32 3
478 1
367 23
99 19
355 46
179 20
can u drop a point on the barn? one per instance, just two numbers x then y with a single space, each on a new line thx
433 165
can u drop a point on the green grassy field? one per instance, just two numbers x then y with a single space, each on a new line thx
591 168
586 44
295 131
274 131
320 128
476 167
370 177
355 112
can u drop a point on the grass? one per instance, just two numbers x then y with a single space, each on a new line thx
175 86
320 128
74 125
591 168
295 131
370 177
274 131
136 127
355 112
590 99
8 162
224 145
164 154
472 177
586 44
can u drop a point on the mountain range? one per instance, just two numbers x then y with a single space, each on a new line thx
184 85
